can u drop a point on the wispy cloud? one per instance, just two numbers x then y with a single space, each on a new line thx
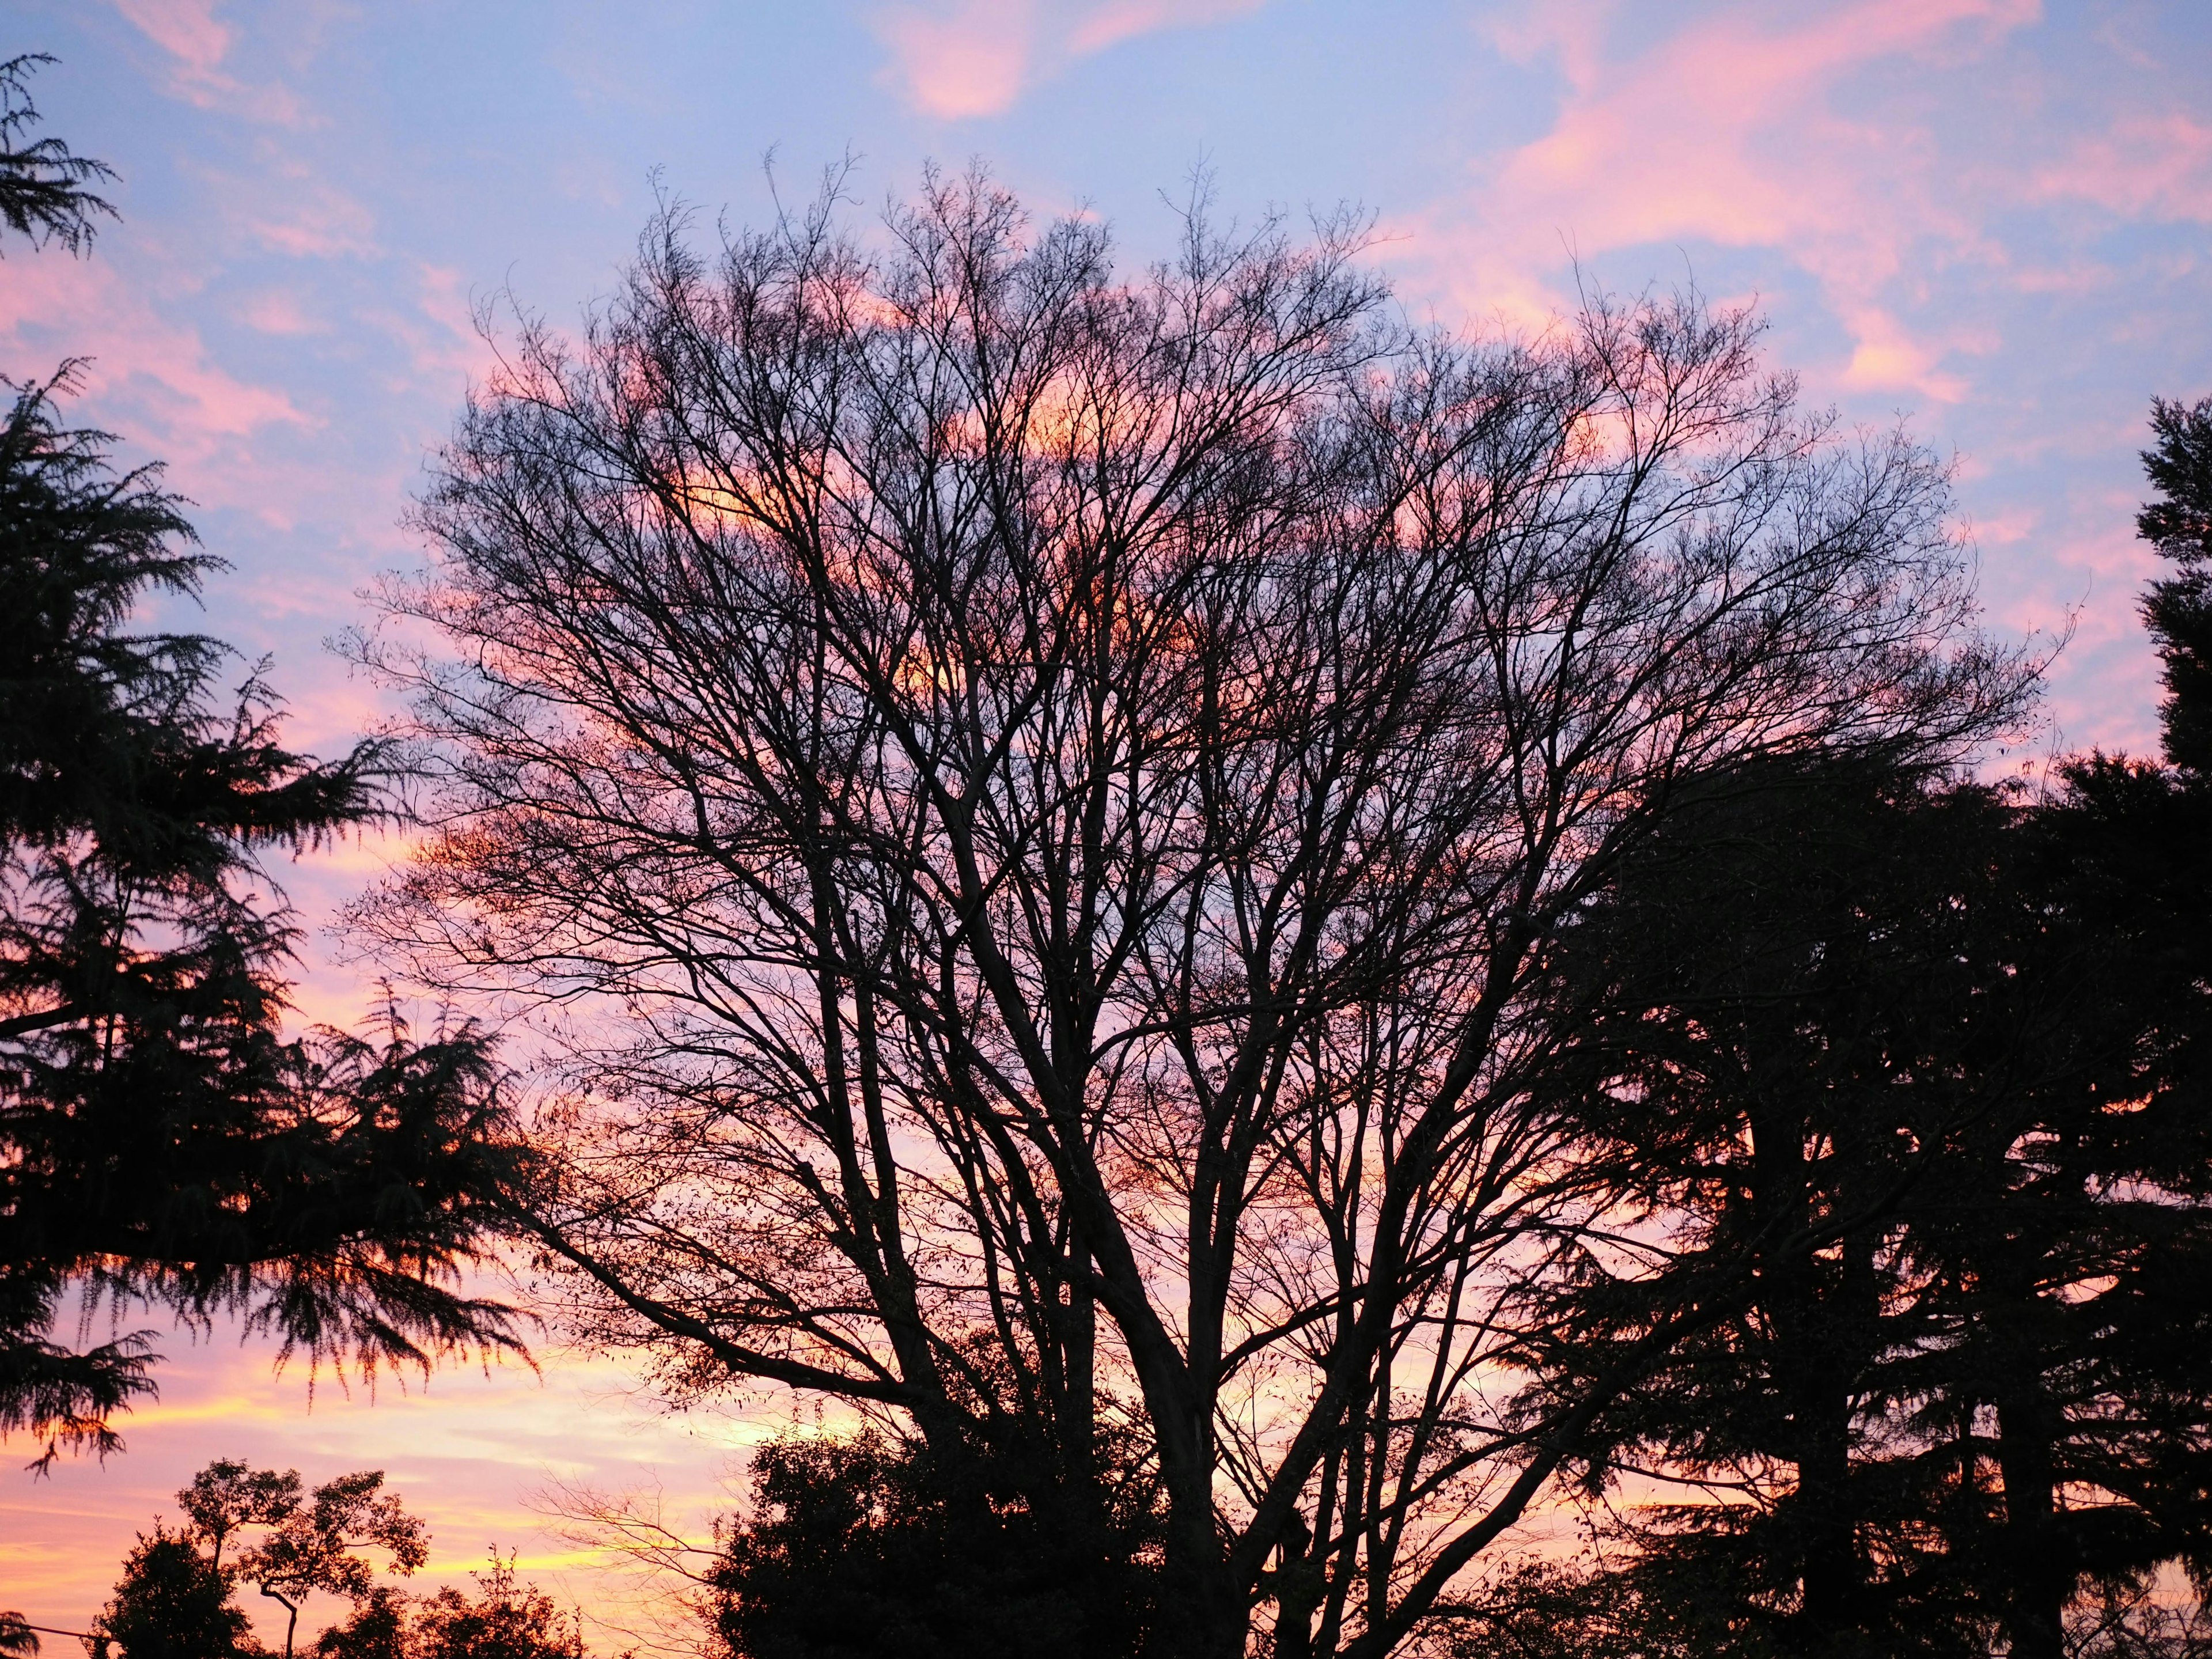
190 32
1099 27
186 28
184 403
2154 166
1731 131
976 57
312 219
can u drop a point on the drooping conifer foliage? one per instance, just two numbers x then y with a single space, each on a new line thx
45 190
1926 1056
1786 1017
163 1144
2178 608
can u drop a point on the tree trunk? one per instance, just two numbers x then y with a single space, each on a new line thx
291 1617
2038 1578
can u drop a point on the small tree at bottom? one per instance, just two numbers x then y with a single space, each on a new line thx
173 1603
506 1619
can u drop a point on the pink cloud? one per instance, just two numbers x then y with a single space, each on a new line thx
283 205
189 31
972 61
234 444
51 308
2007 529
186 28
2156 165
1885 356
976 57
1729 132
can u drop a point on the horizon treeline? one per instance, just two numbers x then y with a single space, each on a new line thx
1286 946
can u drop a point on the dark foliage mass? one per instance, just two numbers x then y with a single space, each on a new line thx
162 1145
505 1619
863 1547
2178 608
173 1602
1932 1063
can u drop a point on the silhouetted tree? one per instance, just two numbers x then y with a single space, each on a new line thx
506 1619
2072 1244
173 1603
862 1546
1055 792
1798 1001
311 1542
161 1143
175 1595
1936 1062
376 1628
2178 609
164 1142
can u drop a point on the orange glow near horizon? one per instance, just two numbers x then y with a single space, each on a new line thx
475 1453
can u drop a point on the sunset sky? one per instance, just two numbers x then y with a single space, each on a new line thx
1992 218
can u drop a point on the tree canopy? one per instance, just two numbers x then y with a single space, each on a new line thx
1043 802
1964 1032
